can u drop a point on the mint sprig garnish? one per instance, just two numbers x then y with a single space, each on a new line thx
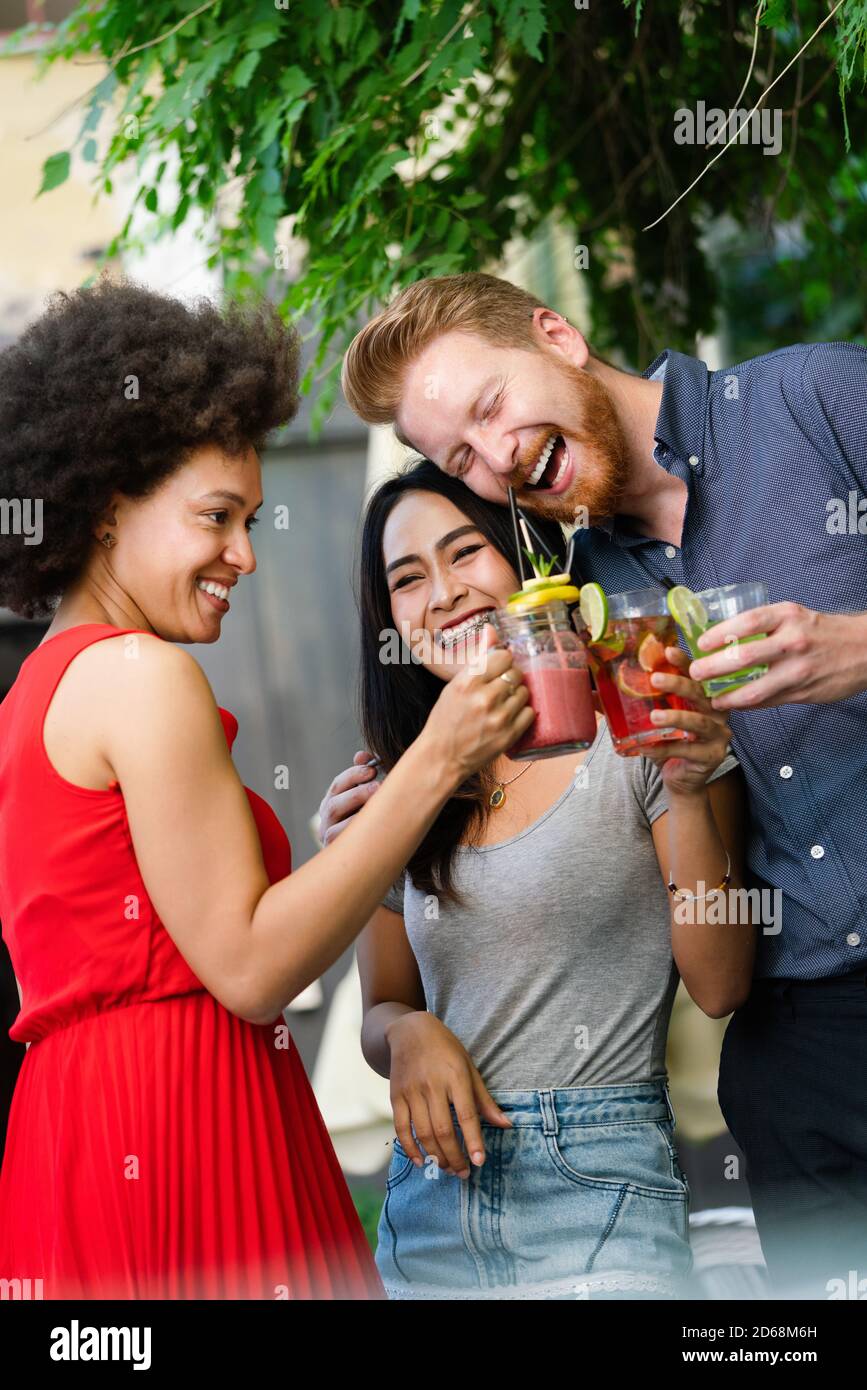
541 567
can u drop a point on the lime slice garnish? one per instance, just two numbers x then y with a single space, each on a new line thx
687 610
594 609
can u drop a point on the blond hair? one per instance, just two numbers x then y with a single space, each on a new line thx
373 369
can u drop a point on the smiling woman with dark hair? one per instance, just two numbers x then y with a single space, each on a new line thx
518 978
164 1140
395 698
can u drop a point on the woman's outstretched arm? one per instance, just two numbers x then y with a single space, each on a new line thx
256 946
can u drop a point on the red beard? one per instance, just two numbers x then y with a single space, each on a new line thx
597 447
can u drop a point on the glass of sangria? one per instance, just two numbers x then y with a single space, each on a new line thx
625 636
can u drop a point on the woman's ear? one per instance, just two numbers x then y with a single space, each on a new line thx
104 523
103 535
107 518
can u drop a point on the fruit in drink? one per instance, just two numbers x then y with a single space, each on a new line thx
689 613
623 664
635 681
651 653
594 610
525 601
544 581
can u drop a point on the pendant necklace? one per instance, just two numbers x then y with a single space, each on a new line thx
498 795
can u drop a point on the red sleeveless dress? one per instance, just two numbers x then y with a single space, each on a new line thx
158 1146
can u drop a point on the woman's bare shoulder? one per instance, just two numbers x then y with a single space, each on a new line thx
132 651
121 680
134 670
115 687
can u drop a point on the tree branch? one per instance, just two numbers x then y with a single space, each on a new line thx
734 137
127 52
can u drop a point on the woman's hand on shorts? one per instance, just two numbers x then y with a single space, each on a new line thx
431 1069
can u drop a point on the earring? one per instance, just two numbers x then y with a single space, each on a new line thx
108 541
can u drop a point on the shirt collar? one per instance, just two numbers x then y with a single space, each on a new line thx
682 409
616 531
679 426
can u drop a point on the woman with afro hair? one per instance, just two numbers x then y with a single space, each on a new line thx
164 1140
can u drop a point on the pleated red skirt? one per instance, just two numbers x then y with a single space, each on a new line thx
172 1150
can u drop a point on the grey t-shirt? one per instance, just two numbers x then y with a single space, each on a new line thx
558 971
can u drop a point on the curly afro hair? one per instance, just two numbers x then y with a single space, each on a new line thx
109 390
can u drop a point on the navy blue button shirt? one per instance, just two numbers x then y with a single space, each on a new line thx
774 455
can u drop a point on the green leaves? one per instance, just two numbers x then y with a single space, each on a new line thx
380 169
244 71
524 22
172 107
293 82
776 14
472 199
55 171
264 34
533 26
541 566
406 139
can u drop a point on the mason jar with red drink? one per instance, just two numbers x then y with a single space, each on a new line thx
545 647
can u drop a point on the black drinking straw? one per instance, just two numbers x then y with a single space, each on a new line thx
570 552
514 509
570 560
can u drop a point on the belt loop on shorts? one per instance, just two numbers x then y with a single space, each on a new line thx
668 1105
549 1111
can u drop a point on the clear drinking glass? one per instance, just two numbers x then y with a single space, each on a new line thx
623 660
718 605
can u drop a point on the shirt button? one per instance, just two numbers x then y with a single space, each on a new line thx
670 551
786 771
853 939
693 460
817 852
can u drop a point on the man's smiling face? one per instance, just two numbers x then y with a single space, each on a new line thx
500 417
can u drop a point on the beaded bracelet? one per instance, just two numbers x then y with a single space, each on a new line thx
684 895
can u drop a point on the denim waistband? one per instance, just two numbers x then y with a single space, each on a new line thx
549 1107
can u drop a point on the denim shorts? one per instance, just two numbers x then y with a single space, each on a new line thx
582 1198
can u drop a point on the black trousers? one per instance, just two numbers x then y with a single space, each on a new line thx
793 1091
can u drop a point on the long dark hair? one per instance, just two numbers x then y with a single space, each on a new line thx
395 699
